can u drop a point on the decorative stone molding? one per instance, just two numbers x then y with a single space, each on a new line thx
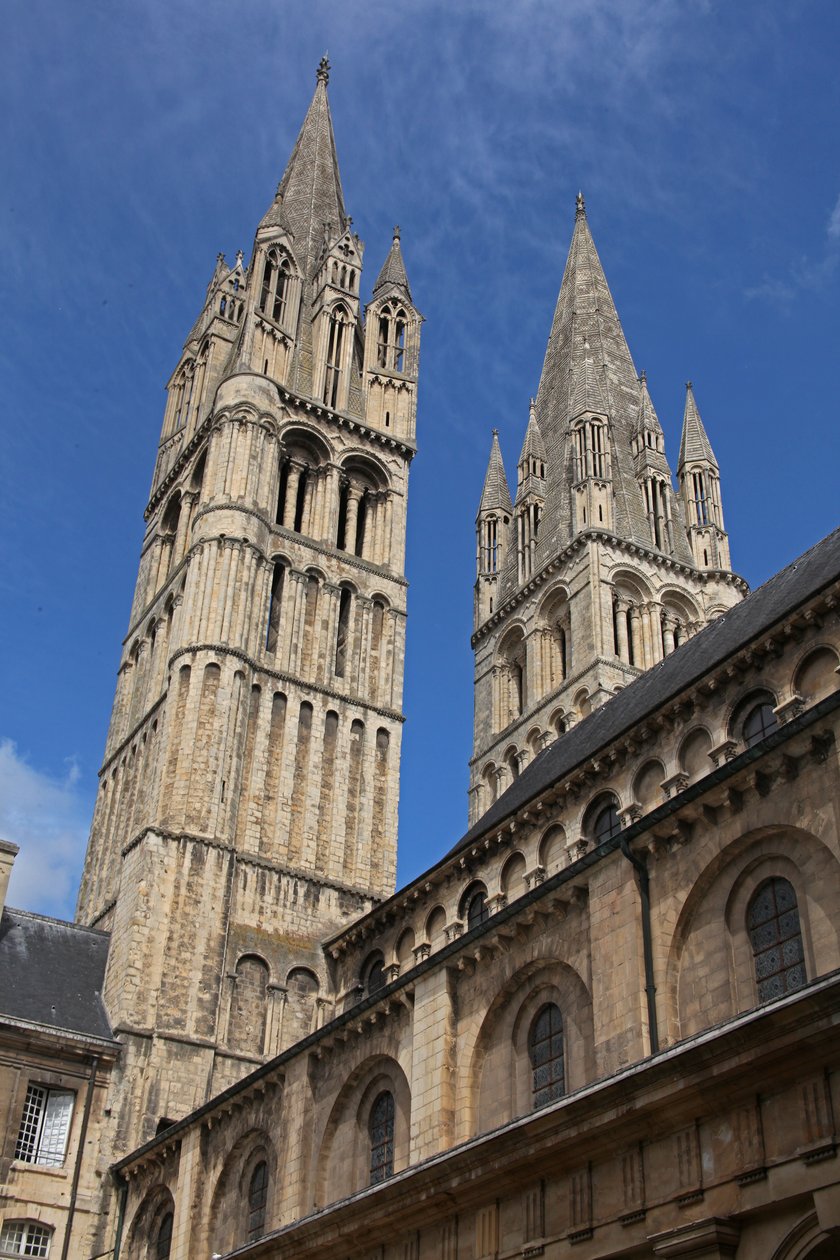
724 752
675 784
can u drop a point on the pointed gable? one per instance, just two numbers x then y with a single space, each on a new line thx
393 273
695 446
495 496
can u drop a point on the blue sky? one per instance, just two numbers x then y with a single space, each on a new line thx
140 139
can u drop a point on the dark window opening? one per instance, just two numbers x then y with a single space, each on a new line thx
607 824
776 940
163 1241
381 1131
281 493
477 911
341 531
300 501
342 633
274 607
361 523
257 1197
758 724
545 1049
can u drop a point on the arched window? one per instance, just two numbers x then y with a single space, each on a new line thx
545 1049
776 939
758 724
477 911
381 1131
390 342
601 821
342 632
335 344
163 1237
274 607
275 287
25 1238
257 1196
374 974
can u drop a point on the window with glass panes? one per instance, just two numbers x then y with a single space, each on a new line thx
381 1130
776 939
24 1238
545 1049
44 1125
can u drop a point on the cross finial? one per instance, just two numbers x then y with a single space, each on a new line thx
322 74
688 385
495 433
396 231
643 377
580 206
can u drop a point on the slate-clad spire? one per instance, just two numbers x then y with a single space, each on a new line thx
495 497
587 394
309 194
393 274
648 438
695 445
533 447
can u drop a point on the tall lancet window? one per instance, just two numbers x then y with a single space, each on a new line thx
274 295
335 345
390 342
700 495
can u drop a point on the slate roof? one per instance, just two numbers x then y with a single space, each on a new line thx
817 569
51 973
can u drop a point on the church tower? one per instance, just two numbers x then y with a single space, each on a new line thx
598 569
248 797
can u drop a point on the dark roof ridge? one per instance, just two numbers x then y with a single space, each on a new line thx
48 918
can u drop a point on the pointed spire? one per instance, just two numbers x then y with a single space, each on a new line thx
496 495
588 395
533 447
393 273
648 420
309 195
695 444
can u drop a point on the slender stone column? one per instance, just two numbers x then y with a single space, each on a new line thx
292 483
354 494
636 637
622 645
668 627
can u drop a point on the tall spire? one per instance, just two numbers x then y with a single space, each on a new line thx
393 273
496 495
309 195
695 444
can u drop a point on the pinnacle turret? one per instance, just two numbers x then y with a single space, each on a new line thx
393 273
495 496
694 445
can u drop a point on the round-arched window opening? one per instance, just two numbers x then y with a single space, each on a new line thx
477 911
606 823
776 939
381 1132
545 1050
375 976
163 1239
758 724
257 1197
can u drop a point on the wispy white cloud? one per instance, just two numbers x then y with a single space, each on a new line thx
48 818
806 273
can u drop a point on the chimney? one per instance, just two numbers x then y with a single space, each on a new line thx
8 853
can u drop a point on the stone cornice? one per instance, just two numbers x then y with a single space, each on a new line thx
668 563
222 649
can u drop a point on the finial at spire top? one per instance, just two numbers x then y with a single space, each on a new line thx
643 377
495 433
396 231
580 206
322 74
688 385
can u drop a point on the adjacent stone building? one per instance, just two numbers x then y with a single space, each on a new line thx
606 1021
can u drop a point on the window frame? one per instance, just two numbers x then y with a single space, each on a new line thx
553 1087
381 1134
22 1245
40 1135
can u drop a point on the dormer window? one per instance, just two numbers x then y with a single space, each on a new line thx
275 287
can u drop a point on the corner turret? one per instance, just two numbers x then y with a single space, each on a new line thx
699 481
491 529
392 349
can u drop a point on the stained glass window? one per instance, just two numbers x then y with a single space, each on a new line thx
545 1049
381 1129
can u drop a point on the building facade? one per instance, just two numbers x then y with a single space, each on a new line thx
606 1021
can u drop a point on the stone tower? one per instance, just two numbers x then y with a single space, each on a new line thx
248 798
596 569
